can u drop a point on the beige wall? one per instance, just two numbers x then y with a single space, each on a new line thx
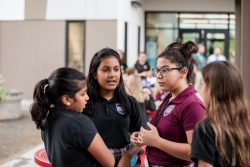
99 34
189 5
35 9
29 51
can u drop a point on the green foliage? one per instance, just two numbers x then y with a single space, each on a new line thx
3 91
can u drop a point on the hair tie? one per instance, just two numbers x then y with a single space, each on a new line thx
45 87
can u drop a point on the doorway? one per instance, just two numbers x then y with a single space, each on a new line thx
210 38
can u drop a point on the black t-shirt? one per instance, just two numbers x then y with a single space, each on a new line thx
141 68
67 136
112 124
204 148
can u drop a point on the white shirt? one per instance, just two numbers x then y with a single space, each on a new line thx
214 57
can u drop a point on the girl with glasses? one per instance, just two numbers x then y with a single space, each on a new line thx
170 131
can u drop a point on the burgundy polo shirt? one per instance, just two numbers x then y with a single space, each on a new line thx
172 120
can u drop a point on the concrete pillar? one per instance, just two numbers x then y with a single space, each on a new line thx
35 10
242 41
99 34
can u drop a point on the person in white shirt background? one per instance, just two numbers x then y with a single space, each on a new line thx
217 56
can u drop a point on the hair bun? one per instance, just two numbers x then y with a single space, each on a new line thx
188 48
175 45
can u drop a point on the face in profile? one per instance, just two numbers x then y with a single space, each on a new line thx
80 100
205 92
108 73
167 78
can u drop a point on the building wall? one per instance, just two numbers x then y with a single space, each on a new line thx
30 51
12 10
81 9
32 34
99 34
134 16
190 5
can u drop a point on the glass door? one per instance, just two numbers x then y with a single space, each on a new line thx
217 39
190 35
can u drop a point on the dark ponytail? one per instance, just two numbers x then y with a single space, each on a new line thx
181 55
48 92
40 107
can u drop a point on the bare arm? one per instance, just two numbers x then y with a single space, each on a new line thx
179 150
204 164
100 152
125 160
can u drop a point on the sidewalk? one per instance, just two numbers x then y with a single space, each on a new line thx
25 160
19 140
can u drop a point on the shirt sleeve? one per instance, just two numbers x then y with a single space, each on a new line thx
203 146
136 116
192 114
85 132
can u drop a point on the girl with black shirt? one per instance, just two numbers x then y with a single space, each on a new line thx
223 139
70 138
114 113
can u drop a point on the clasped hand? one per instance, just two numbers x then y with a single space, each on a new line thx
148 137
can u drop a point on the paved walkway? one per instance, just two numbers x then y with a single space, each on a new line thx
25 160
19 140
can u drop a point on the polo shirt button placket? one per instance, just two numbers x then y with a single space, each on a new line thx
107 109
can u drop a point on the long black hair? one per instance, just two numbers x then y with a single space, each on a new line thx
181 54
48 92
93 87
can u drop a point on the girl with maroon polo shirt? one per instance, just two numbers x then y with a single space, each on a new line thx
169 138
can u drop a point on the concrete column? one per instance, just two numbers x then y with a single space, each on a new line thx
242 42
99 34
238 32
35 9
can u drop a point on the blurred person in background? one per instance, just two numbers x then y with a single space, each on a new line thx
142 66
217 56
124 65
200 62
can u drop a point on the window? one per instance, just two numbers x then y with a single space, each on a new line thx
75 45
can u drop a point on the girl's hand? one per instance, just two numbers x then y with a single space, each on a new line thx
149 137
134 138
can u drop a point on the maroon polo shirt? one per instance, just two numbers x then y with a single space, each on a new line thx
172 120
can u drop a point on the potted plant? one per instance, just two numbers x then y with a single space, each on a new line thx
10 102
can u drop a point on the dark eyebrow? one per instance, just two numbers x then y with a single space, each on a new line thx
164 66
110 66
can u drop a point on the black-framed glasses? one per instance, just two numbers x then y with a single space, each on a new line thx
164 70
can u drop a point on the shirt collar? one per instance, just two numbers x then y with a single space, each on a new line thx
183 95
113 99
